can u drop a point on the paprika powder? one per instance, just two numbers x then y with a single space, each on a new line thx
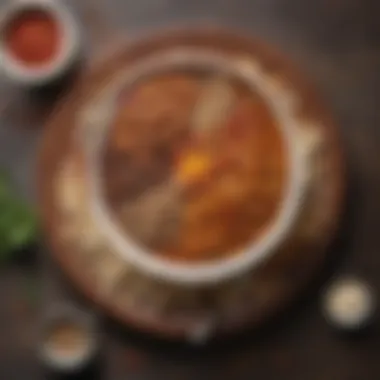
33 37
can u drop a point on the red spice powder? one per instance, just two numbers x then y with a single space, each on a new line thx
33 37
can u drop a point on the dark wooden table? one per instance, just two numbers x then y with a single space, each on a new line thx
337 44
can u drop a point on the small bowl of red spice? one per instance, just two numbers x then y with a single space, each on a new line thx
39 41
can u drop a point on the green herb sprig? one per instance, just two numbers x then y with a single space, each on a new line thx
18 221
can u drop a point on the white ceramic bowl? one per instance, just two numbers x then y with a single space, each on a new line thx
349 304
40 75
97 118
65 313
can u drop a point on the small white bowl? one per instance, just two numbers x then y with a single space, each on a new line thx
25 75
97 119
349 304
68 364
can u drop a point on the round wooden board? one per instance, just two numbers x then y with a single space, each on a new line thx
285 278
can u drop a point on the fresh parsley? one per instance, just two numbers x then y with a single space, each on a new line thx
18 221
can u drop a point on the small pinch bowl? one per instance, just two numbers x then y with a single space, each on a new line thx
97 120
62 313
68 53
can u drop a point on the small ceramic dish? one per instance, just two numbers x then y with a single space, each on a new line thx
97 120
349 304
69 340
61 62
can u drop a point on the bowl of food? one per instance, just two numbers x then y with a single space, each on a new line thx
69 340
195 168
39 41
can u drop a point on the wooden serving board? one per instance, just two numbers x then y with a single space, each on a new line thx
266 291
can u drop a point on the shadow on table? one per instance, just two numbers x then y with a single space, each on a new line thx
30 108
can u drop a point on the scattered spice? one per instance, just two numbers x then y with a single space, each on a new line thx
33 37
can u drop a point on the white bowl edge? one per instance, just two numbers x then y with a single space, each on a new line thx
226 268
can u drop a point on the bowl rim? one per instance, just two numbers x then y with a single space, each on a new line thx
201 273
70 44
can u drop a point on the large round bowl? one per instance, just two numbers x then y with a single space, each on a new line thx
203 300
98 118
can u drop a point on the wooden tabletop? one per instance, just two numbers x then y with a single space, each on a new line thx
336 43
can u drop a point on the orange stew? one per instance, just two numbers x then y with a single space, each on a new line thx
189 197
